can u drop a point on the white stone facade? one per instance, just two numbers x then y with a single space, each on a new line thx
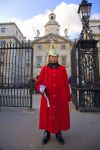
10 32
95 27
41 46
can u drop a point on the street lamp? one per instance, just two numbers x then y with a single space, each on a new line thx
84 8
84 55
84 12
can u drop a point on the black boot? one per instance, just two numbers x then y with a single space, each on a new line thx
46 137
60 138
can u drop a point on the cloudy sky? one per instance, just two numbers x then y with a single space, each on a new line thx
32 15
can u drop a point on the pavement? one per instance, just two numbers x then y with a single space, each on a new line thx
19 130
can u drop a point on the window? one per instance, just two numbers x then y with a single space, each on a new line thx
1 78
3 30
27 57
63 60
2 43
39 48
1 58
62 46
39 61
99 27
51 17
16 33
20 37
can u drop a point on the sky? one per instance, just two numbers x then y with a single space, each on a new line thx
32 15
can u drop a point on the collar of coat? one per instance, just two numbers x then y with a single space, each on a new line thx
53 65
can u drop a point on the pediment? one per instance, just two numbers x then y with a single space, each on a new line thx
51 37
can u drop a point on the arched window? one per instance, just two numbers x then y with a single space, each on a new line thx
51 17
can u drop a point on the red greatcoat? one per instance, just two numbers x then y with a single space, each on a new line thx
56 117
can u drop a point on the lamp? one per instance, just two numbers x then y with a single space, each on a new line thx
84 12
84 9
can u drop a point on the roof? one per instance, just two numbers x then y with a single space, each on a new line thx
11 23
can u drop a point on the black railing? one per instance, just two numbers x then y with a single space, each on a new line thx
16 70
85 77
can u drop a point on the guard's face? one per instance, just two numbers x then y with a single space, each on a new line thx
53 59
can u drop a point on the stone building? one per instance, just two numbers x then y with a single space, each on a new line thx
95 27
10 57
9 32
41 46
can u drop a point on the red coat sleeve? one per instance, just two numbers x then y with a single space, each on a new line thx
41 78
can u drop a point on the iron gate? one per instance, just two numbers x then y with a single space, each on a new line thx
16 71
85 76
